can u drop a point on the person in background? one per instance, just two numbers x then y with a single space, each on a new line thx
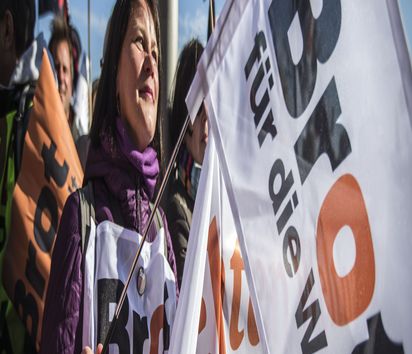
83 142
20 61
60 47
190 158
122 165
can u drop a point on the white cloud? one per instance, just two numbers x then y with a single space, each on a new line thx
193 26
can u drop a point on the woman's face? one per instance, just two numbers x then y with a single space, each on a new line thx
137 79
197 135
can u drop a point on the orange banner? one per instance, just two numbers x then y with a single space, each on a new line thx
50 171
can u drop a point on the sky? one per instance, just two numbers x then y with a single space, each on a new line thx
101 10
192 23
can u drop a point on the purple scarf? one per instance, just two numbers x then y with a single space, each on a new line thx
123 164
145 162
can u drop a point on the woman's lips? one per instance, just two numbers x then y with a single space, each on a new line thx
146 93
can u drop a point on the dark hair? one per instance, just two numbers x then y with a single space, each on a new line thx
23 12
76 51
185 72
105 112
60 31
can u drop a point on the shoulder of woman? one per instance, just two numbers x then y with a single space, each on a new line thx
62 306
68 239
69 222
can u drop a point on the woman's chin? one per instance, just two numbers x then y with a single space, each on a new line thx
142 143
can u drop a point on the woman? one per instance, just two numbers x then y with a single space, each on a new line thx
187 172
122 164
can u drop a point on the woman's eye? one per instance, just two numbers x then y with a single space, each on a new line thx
155 56
139 43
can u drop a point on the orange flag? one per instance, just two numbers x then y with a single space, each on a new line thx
50 171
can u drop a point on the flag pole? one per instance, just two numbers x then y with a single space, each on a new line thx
89 65
211 21
119 306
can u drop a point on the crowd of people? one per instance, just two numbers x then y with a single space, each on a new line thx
120 159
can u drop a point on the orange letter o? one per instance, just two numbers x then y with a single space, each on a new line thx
345 297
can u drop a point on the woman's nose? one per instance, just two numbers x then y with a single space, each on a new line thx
149 65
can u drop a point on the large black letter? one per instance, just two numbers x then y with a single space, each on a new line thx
255 54
378 341
140 333
278 169
108 292
26 307
43 237
322 134
291 238
319 40
51 166
32 272
258 109
313 313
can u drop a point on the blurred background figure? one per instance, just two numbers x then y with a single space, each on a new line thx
190 158
65 47
83 142
80 101
19 70
60 46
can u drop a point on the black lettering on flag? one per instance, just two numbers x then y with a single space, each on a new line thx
258 109
51 166
47 201
291 244
264 69
32 272
322 134
278 196
140 333
278 171
108 292
378 341
26 307
256 53
319 35
313 313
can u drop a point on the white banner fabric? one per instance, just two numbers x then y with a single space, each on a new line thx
222 318
148 312
310 106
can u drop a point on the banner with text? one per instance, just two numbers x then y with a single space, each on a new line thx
310 105
50 171
148 311
222 319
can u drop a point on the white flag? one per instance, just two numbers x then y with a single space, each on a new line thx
81 99
214 310
310 106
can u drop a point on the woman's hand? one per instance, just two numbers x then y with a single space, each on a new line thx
87 350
